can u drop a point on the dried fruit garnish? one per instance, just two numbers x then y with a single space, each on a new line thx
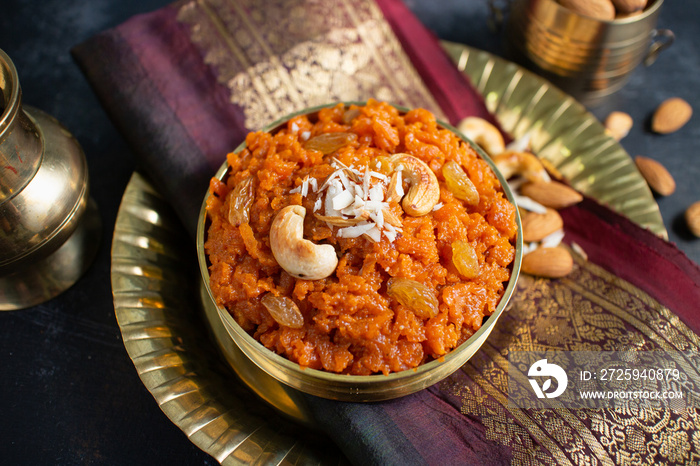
350 115
414 295
459 183
327 143
240 200
283 310
464 259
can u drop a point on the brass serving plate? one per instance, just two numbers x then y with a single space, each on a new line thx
157 304
155 279
562 131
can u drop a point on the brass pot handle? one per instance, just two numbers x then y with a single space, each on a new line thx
661 39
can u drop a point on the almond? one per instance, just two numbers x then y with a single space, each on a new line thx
618 125
551 194
537 226
692 218
656 175
628 15
548 262
671 115
597 9
629 6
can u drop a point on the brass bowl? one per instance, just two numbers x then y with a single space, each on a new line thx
268 364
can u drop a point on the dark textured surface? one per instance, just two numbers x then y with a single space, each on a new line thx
68 392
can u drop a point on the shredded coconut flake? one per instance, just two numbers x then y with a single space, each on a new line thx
529 247
522 144
579 250
346 182
379 176
553 239
376 193
399 185
342 200
355 231
530 204
374 233
356 195
378 217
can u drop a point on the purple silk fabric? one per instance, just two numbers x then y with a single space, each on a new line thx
166 102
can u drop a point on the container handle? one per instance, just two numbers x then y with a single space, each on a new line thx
661 39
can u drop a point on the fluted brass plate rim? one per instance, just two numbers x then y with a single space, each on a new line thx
157 305
562 132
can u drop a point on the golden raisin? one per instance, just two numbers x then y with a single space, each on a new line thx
283 310
350 115
327 143
414 295
240 200
464 259
459 183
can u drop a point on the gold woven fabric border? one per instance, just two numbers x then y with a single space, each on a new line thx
281 56
591 310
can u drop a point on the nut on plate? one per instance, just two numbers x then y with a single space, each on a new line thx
692 218
656 175
598 9
537 226
671 115
552 194
483 133
618 125
553 262
511 163
626 7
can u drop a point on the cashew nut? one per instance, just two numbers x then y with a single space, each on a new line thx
483 133
424 190
298 256
511 163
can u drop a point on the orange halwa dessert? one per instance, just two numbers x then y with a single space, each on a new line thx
359 240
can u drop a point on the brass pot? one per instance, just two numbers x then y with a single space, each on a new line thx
588 58
45 244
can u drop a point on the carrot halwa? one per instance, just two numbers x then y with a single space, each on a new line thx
421 239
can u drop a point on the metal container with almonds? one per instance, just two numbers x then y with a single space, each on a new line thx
586 56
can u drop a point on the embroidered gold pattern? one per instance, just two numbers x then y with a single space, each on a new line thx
591 310
280 56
